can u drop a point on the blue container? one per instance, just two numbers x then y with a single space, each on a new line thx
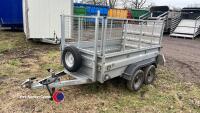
93 9
11 13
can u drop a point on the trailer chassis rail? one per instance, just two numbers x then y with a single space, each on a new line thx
54 81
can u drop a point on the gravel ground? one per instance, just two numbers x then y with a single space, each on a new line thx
183 56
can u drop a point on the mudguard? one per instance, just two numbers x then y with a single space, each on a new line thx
160 60
131 69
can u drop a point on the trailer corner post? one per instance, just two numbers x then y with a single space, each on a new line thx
79 31
95 46
103 49
103 40
162 32
62 43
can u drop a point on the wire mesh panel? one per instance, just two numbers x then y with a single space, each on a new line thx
83 31
113 35
108 35
133 34
144 33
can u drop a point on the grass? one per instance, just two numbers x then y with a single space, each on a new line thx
167 98
14 62
11 40
166 95
51 60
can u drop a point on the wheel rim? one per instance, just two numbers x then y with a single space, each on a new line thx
138 80
151 75
69 58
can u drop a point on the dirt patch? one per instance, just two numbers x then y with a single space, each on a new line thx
3 78
183 56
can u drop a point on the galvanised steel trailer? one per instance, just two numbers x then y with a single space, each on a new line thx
108 48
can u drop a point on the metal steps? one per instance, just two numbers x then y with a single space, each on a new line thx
182 35
187 28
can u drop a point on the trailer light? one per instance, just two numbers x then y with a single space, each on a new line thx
58 96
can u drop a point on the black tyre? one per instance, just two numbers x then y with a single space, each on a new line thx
136 81
71 58
150 73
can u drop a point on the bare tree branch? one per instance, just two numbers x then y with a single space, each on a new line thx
125 3
112 3
142 4
137 3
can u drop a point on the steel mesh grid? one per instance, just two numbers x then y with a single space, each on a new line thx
125 32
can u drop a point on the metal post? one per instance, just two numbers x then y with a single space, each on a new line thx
103 48
102 35
195 28
111 27
103 38
196 32
141 23
162 32
62 44
95 46
63 32
79 31
154 23
125 34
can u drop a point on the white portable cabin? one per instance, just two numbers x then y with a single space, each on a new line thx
42 20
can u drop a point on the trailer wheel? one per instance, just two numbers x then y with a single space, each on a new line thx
71 58
136 81
150 73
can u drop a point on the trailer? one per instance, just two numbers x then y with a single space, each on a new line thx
42 19
162 12
104 50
